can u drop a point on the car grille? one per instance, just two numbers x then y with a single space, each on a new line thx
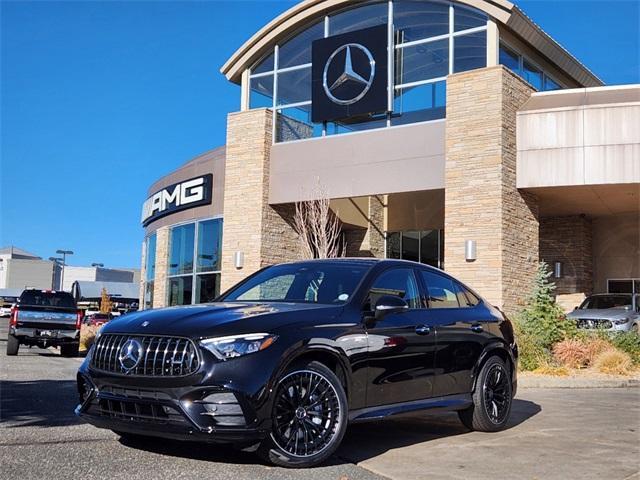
594 323
161 356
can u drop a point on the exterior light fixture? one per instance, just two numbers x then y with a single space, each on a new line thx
470 250
557 270
238 260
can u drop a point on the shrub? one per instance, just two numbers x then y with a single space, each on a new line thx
596 345
572 353
613 362
628 342
542 318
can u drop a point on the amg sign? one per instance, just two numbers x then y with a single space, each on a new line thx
179 196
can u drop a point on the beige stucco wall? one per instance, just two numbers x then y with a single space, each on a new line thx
400 159
616 248
580 137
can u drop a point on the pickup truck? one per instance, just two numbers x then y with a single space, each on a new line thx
45 318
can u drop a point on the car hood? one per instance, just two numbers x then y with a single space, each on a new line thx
218 319
606 313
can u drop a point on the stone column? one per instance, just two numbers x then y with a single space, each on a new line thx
143 273
482 202
162 268
263 233
369 242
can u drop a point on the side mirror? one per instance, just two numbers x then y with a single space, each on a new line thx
387 304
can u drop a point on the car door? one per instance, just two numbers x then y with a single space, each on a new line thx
460 323
400 346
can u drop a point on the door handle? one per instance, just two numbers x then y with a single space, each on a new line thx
423 330
477 328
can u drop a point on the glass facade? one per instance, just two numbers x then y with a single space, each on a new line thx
431 40
425 246
194 262
150 270
525 68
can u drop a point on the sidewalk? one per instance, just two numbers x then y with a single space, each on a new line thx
582 380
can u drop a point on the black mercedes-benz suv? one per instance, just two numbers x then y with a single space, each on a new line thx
285 360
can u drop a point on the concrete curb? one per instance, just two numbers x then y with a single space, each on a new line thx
532 380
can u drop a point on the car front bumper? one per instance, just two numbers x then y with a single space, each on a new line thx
199 407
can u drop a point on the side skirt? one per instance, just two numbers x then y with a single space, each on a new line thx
449 402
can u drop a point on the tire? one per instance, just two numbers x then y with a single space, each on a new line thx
305 403
492 398
69 349
13 344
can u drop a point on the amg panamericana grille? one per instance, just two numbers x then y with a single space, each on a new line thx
160 356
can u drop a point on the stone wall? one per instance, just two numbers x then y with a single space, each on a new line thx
263 233
368 242
482 202
569 240
162 268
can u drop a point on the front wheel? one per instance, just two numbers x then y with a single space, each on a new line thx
491 398
309 417
13 344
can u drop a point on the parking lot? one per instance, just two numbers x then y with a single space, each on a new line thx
554 433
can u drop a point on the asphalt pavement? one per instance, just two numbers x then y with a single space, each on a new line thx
554 434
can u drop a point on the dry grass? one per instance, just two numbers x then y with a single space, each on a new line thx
572 353
613 362
87 336
596 346
553 370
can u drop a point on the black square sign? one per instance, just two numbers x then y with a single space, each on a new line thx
349 74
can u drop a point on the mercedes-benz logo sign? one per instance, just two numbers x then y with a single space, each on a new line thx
130 355
349 77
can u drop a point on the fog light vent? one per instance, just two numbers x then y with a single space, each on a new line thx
223 408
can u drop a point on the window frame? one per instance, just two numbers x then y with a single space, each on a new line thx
414 270
194 274
456 285
393 87
521 60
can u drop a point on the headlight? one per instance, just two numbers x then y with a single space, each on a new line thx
238 345
621 321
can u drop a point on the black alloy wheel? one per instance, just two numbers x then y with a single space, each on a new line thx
492 398
496 392
309 416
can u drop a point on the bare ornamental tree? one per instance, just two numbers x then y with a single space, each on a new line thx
318 229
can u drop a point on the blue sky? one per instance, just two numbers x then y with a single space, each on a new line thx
99 99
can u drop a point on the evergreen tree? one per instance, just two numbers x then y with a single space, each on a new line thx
542 317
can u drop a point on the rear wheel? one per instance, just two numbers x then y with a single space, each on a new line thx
491 398
309 417
69 349
13 344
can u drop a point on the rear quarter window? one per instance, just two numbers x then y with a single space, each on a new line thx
47 299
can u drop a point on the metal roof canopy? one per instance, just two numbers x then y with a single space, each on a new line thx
85 290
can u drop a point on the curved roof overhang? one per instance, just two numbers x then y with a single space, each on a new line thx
502 11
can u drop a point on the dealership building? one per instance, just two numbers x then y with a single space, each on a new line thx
457 134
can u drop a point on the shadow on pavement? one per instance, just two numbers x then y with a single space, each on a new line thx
368 440
45 403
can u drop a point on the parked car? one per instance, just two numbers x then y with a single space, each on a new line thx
6 303
98 319
285 360
619 312
45 318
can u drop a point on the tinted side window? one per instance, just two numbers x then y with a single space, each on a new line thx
398 281
465 297
442 292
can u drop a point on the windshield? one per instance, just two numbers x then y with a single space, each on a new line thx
606 301
47 299
323 283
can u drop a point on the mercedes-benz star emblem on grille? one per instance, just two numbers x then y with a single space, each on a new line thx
349 77
130 355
